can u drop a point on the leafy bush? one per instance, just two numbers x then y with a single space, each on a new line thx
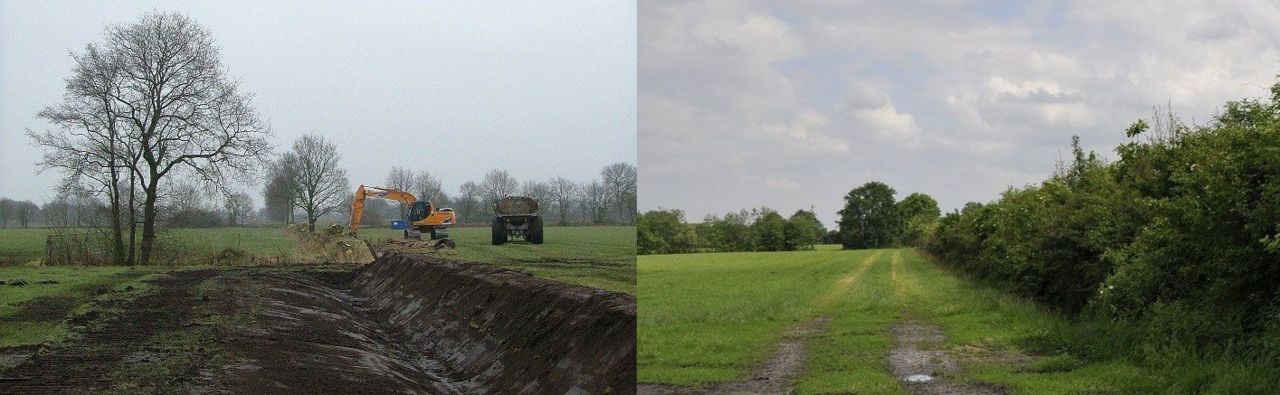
1176 240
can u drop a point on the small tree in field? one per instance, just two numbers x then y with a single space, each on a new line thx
320 186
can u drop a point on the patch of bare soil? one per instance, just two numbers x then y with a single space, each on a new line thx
776 375
920 360
442 248
83 365
44 308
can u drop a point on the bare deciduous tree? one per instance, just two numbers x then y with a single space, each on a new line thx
238 206
321 187
25 211
174 109
620 186
90 143
562 192
595 201
429 187
57 213
6 211
402 179
497 184
468 202
539 191
278 193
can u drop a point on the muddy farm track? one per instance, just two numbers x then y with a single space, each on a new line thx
404 324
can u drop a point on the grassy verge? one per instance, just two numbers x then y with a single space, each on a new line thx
985 325
33 313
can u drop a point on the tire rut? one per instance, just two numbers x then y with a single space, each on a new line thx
919 359
776 375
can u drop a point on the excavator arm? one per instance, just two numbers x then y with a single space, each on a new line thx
357 204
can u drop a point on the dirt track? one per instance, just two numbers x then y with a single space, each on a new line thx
403 324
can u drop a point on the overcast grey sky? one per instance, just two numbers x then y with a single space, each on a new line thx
457 88
791 104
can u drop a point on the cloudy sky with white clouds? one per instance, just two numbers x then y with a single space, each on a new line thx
456 88
792 104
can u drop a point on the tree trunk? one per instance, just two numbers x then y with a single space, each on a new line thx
149 222
133 221
117 228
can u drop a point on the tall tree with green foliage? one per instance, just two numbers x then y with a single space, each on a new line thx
869 218
918 212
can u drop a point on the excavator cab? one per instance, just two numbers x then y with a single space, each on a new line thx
419 210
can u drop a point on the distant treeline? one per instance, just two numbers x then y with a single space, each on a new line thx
871 219
665 232
1174 247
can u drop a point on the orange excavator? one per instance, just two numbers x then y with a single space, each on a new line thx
424 217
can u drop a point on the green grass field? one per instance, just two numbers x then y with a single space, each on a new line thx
707 318
597 256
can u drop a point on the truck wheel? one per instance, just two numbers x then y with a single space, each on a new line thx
499 230
535 230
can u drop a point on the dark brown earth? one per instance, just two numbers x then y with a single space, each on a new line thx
408 324
85 368
513 332
776 375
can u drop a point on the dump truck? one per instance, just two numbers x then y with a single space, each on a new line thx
517 218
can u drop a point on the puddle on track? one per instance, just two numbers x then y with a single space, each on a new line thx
921 362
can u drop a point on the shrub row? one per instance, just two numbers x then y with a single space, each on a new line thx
1179 237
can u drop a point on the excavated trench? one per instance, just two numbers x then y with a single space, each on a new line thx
413 323
402 324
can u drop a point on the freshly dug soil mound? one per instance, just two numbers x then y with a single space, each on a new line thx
504 330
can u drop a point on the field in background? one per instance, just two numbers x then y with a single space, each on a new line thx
708 318
597 256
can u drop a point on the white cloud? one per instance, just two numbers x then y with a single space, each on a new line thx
943 99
